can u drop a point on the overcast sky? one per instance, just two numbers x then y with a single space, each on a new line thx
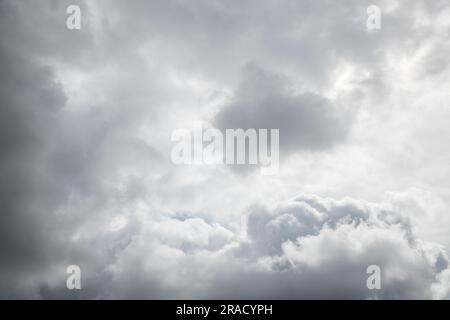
86 118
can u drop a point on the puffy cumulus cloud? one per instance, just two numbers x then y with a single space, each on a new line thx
328 245
309 247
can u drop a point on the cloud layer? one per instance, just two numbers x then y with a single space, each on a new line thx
86 177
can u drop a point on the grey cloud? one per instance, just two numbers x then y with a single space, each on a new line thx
309 247
29 101
307 121
59 167
85 177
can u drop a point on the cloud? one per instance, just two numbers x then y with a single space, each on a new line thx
307 121
30 100
86 177
309 247
60 169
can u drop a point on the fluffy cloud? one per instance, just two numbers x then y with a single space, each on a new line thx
309 247
85 124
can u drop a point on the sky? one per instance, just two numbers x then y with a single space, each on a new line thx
86 118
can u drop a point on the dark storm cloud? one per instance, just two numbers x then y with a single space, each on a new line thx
52 158
307 121
47 164
30 100
36 177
